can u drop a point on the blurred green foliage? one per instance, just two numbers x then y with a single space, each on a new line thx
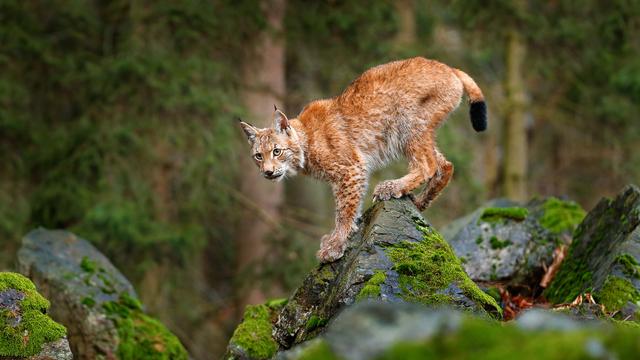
116 120
583 76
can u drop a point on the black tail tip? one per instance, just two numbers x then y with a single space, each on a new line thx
478 114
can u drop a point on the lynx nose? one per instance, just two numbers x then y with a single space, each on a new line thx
268 173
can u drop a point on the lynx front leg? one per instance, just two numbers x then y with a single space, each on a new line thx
348 195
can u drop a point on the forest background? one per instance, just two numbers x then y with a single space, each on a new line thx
117 123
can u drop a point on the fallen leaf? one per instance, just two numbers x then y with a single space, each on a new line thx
513 305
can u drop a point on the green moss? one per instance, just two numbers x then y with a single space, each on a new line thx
591 240
108 286
89 302
371 288
88 265
629 264
497 341
494 292
34 329
497 244
494 272
560 216
141 336
566 288
615 294
324 275
623 323
479 240
318 350
428 266
277 303
253 335
495 214
573 278
315 322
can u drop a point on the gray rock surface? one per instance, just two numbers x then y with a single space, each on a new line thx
400 331
370 269
57 350
454 227
65 269
97 304
365 331
513 250
604 258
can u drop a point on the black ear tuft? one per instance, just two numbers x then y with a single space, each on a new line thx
478 114
280 121
249 131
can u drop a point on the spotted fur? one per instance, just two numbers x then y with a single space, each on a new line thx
391 110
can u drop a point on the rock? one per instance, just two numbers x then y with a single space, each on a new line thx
395 256
56 350
584 311
97 304
454 227
603 258
26 331
410 331
252 339
510 244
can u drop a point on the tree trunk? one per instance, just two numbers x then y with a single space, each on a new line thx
515 137
264 86
406 36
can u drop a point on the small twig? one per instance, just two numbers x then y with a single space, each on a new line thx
558 256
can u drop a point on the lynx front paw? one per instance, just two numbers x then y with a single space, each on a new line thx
331 249
387 190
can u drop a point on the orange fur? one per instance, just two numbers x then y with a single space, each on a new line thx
391 110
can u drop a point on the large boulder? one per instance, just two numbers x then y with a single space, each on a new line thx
26 331
97 304
406 331
604 258
395 256
512 244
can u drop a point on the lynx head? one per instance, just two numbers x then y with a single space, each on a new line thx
276 151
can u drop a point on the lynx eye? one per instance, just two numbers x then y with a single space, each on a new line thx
258 157
277 152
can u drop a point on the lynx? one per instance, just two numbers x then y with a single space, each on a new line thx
390 110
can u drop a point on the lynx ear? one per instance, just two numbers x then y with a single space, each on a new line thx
249 130
281 122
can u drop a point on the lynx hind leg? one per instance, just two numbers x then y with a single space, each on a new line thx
437 184
422 166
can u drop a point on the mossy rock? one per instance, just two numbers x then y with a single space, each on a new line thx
499 214
508 243
96 303
25 328
140 336
402 331
252 339
395 256
604 256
